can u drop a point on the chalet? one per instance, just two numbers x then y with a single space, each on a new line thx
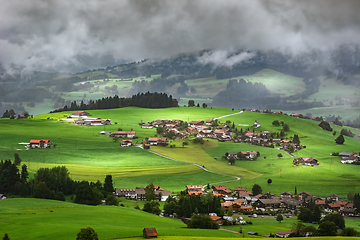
146 146
321 203
126 143
157 141
306 161
249 154
221 189
231 155
202 128
192 130
80 114
349 211
196 123
140 194
346 154
195 188
337 206
285 143
150 233
21 116
209 122
158 123
256 124
332 198
265 133
42 143
146 125
286 194
93 121
125 193
123 134
291 204
272 203
217 219
303 195
284 234
206 134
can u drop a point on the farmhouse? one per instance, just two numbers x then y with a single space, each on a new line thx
221 189
125 193
196 123
306 161
126 143
42 143
249 154
80 114
157 141
231 155
123 134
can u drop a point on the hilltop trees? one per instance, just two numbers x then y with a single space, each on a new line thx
145 100
326 126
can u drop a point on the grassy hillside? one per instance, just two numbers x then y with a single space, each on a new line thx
91 156
46 219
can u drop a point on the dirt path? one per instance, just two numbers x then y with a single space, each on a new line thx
223 229
229 115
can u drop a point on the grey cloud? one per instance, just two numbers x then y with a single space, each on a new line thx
59 35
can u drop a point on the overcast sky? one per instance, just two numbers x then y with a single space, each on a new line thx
72 34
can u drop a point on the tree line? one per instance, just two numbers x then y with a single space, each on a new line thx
144 100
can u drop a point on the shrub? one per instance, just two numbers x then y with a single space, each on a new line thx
202 221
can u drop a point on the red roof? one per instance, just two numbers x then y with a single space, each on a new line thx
248 152
38 141
239 188
194 186
215 218
78 112
195 192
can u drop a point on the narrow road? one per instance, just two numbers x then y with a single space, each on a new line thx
229 115
202 167
223 229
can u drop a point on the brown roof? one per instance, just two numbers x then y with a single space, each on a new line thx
215 218
239 188
150 232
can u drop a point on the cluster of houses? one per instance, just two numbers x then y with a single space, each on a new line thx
139 193
242 199
248 155
198 128
349 157
82 118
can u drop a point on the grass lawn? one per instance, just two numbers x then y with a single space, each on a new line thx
48 219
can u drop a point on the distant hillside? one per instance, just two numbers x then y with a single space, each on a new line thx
291 80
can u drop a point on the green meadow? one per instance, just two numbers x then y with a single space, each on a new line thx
91 156
47 219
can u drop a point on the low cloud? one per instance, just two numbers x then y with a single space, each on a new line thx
75 35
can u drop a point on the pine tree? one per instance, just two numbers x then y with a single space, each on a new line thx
340 139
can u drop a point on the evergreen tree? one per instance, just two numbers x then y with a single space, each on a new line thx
296 140
17 160
87 234
340 139
6 237
256 189
24 173
108 184
279 218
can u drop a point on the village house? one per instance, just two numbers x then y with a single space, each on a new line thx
221 189
157 141
206 134
286 194
274 204
123 134
231 155
194 189
146 125
291 203
249 154
217 219
332 198
336 206
42 143
209 122
284 234
125 193
306 161
196 123
126 143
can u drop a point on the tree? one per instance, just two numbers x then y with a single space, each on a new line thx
160 130
17 160
295 193
87 194
108 184
152 207
6 237
279 218
202 221
335 218
26 114
230 211
296 140
279 155
204 105
24 173
305 215
326 126
87 234
12 113
286 128
327 228
340 139
191 103
256 189
231 160
276 123
349 231
269 181
150 192
111 200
